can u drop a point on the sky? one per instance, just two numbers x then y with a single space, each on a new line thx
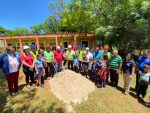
23 13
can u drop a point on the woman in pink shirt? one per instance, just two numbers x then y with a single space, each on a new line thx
28 66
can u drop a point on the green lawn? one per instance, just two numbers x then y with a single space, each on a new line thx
41 100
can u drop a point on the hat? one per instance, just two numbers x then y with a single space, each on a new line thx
25 47
33 46
87 48
47 46
69 46
58 47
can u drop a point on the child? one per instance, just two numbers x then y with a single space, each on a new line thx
143 81
95 68
39 68
76 63
103 70
90 68
84 66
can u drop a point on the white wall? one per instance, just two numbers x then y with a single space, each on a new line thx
1 43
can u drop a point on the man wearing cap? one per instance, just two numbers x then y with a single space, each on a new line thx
80 52
10 64
88 54
142 60
28 66
58 58
49 56
70 56
33 51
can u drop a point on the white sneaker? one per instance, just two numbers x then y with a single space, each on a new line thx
28 86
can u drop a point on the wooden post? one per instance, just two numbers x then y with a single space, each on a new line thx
21 47
75 40
56 38
37 42
5 43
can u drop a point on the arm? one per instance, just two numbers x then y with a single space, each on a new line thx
36 69
43 71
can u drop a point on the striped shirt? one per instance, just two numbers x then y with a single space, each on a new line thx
115 62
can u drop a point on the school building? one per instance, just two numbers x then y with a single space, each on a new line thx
41 40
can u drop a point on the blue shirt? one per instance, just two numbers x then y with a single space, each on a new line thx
39 63
97 55
142 60
127 66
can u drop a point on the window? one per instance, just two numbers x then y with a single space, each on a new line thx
85 43
65 44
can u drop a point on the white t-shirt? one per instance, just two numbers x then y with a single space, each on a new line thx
13 63
89 55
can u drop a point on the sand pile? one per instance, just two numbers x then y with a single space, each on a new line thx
71 87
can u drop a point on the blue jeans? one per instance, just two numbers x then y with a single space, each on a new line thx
58 66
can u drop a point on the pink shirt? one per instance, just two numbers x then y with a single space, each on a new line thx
27 59
58 56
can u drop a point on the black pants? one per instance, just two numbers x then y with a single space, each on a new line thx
49 70
70 64
114 77
142 90
137 80
42 80
29 75
80 63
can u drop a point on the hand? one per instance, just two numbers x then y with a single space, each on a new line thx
36 72
131 76
118 72
32 66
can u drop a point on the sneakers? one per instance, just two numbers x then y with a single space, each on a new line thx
17 91
42 85
12 94
28 86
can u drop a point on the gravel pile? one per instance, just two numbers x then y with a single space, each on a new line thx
71 87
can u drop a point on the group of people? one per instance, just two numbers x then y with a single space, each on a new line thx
97 65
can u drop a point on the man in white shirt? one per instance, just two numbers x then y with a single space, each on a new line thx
88 54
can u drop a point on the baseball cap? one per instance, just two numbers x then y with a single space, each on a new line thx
69 46
58 47
87 48
25 47
33 46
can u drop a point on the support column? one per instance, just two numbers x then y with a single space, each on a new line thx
37 43
56 38
75 40
5 43
21 47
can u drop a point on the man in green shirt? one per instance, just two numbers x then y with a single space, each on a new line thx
80 52
49 56
115 68
70 56
33 51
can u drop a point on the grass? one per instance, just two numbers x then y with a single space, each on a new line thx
41 100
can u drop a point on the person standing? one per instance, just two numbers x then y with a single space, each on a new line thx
128 69
97 54
58 58
33 51
49 55
10 64
70 56
39 69
88 54
80 52
142 60
27 60
115 68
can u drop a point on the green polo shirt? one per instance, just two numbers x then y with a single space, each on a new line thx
115 62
